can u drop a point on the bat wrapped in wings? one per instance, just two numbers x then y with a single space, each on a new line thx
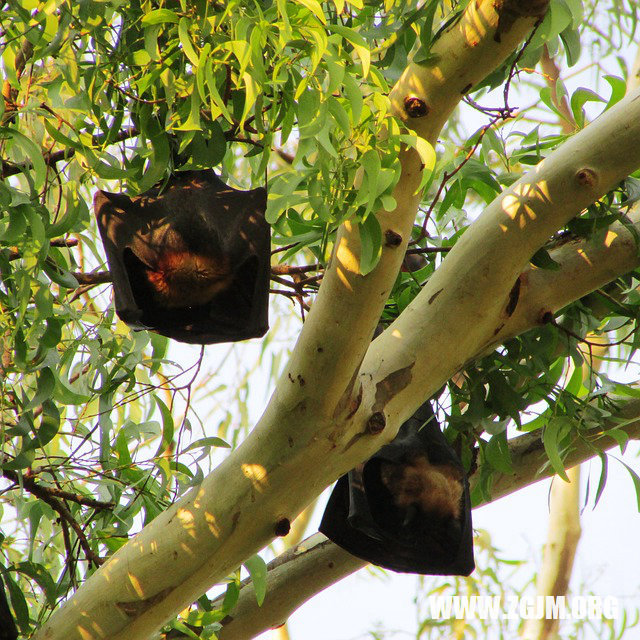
407 508
189 260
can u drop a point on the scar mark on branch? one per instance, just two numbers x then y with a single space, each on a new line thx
138 607
435 295
391 385
514 296
355 404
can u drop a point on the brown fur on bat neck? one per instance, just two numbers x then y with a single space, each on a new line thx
418 483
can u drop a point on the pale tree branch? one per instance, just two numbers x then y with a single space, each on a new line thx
353 302
633 82
559 552
309 433
290 541
583 266
293 578
467 301
315 564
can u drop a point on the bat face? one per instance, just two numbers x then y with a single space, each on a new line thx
421 485
179 278
407 508
192 262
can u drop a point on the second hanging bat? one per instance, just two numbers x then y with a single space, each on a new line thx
407 508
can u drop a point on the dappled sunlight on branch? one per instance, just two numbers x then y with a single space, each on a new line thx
187 520
257 474
519 205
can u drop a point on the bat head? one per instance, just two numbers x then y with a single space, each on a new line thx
418 485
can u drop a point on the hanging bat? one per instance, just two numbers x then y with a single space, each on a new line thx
8 629
407 508
190 261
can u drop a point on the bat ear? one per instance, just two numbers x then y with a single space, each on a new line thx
191 262
407 508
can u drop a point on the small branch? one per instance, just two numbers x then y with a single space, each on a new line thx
44 494
287 157
51 159
92 278
285 247
502 114
552 75
428 250
14 254
512 71
283 269
584 266
38 490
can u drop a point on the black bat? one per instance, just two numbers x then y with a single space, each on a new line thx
8 630
190 261
407 508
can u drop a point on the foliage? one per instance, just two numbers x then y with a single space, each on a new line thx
119 95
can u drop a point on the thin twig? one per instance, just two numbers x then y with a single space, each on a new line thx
28 482
57 505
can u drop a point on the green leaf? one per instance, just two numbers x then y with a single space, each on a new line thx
315 8
185 41
542 259
579 98
354 96
230 597
14 226
60 276
425 151
571 39
49 423
18 602
65 394
551 437
60 137
44 388
167 426
159 16
370 244
44 579
603 477
31 152
340 115
497 453
636 482
257 569
158 162
618 90
360 45
74 208
210 441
